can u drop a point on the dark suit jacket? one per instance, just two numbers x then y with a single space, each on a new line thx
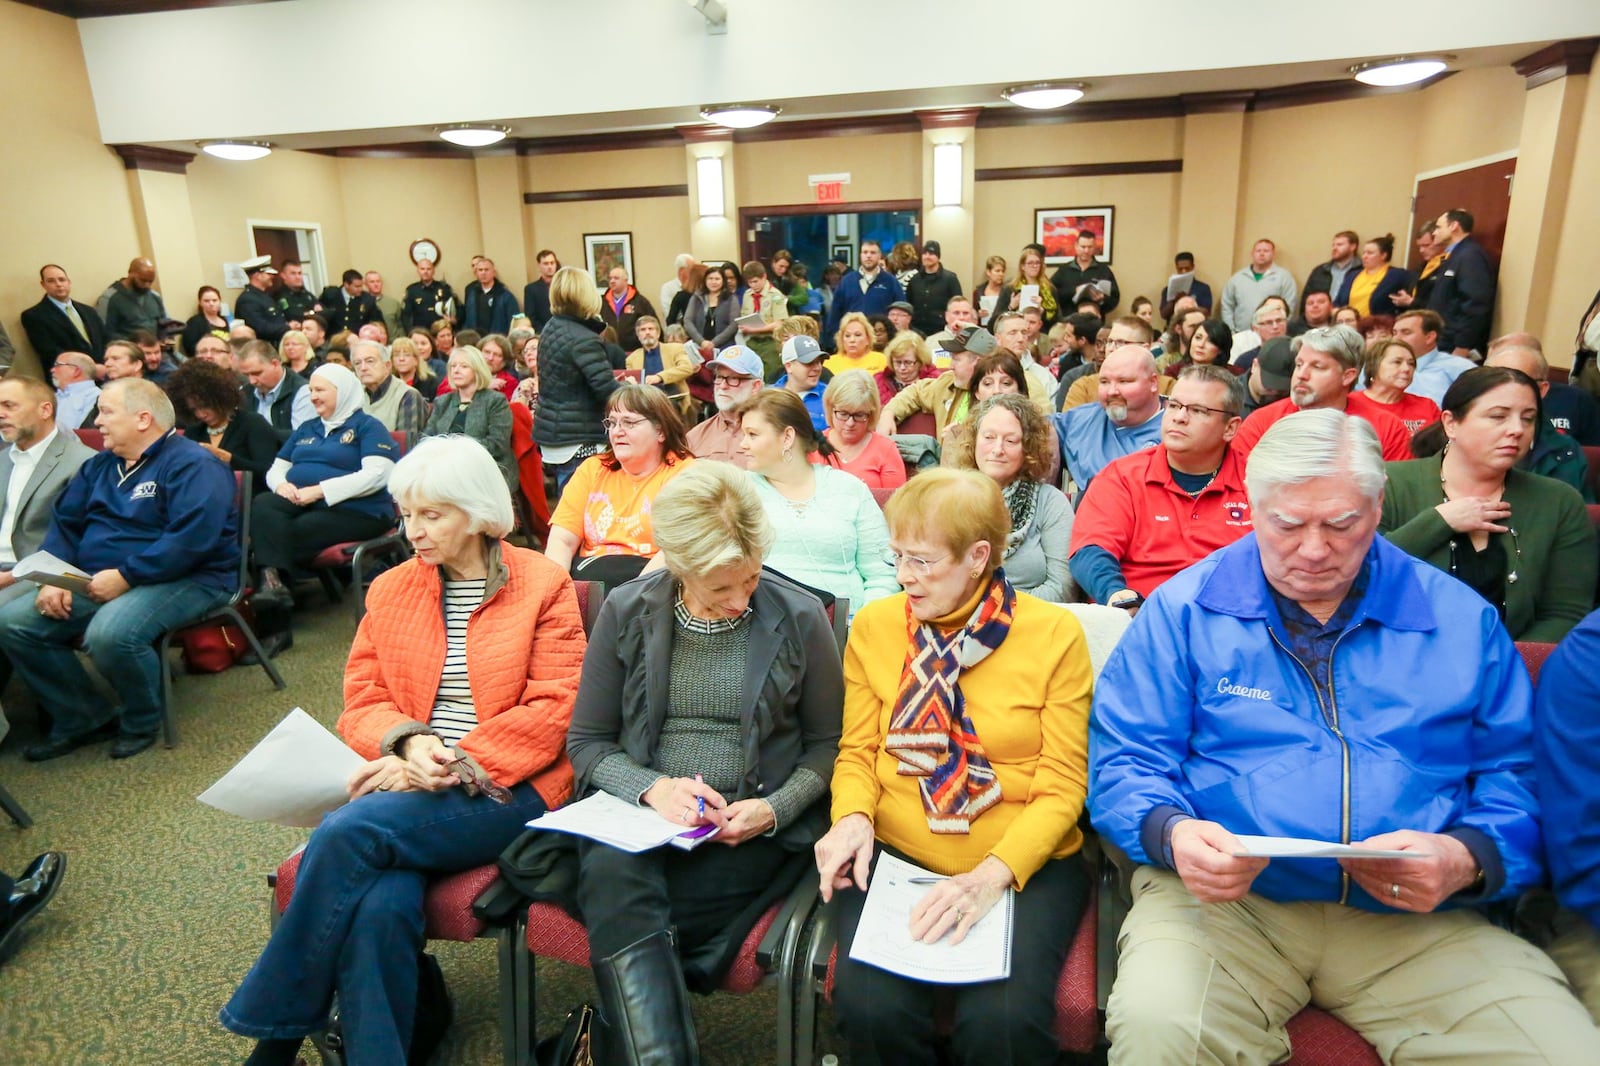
343 313
51 332
1464 295
55 468
536 302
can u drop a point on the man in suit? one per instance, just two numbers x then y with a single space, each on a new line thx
536 294
33 471
347 306
1464 292
58 323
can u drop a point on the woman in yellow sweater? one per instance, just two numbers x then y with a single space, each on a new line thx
854 344
964 751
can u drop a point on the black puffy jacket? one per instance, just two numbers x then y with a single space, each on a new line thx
575 380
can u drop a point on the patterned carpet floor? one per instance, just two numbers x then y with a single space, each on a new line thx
164 906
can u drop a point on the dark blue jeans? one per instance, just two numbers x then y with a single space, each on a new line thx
120 637
355 923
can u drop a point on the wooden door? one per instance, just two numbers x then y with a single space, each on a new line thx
1484 190
280 244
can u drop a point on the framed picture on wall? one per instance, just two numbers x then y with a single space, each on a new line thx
844 253
602 251
1058 229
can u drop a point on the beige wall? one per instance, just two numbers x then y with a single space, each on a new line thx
1469 115
389 203
881 167
1577 270
63 194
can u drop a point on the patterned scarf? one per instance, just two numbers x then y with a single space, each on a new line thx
929 731
1021 497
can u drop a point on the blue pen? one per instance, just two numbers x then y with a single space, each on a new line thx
700 801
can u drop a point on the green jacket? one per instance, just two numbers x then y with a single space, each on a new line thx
1553 552
1554 454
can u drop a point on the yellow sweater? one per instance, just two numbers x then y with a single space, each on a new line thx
1029 701
872 362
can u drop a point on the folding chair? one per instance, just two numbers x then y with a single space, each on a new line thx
14 810
355 554
228 613
92 438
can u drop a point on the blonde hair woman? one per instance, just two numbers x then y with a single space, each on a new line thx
854 347
575 378
850 404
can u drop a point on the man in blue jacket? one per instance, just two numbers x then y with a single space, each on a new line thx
1567 748
152 521
1313 681
869 289
1465 291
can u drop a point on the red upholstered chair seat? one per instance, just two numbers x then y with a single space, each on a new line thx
1320 1039
447 903
336 554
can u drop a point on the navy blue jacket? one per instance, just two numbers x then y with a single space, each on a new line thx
1463 292
1567 745
847 296
170 517
488 312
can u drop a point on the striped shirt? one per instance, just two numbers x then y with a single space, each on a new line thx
453 714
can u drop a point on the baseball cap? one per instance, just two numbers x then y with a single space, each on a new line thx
741 360
933 248
801 349
902 305
1277 364
261 264
974 339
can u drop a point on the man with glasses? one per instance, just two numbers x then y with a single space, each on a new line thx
1125 330
1257 281
77 395
945 397
1326 364
1150 514
1269 322
736 375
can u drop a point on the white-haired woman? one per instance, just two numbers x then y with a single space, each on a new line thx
851 405
456 767
475 407
712 696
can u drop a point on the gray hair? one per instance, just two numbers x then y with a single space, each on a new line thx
1341 342
140 396
683 261
518 338
709 516
1232 384
853 388
363 342
456 471
1315 444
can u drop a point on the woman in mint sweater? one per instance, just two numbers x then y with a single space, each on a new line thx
1523 541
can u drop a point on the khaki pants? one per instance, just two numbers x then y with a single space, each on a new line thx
1216 983
1576 950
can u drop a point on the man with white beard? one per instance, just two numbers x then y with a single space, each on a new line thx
736 375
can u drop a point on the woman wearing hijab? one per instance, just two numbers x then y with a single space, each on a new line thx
327 487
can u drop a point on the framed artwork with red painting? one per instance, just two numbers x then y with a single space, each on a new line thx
1058 229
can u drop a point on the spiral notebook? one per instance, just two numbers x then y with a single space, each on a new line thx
883 937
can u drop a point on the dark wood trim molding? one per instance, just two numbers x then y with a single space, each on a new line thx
89 9
1221 103
574 196
412 150
1557 61
848 126
1327 92
1080 170
1091 111
159 160
705 134
949 118
599 142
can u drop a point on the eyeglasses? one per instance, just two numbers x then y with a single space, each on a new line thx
469 775
728 381
851 416
918 565
627 424
1194 410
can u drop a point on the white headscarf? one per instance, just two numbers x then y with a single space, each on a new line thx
349 390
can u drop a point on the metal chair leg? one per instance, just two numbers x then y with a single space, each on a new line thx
14 810
255 646
169 721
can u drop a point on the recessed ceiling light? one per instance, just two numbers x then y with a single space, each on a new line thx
1044 95
474 134
238 151
1402 70
740 116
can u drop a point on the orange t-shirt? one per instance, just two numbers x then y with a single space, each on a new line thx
609 510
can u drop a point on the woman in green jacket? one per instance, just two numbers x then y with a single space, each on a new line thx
1523 541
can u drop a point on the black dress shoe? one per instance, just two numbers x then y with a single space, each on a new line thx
30 894
129 744
56 747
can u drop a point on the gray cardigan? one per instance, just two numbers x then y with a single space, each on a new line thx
488 423
793 689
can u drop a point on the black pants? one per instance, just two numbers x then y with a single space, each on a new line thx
627 897
284 534
609 570
889 1019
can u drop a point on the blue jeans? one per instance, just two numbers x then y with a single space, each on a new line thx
355 923
120 637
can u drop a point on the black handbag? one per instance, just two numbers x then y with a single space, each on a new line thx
572 1047
434 1014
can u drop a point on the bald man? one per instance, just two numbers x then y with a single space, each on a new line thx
134 303
1554 453
1125 419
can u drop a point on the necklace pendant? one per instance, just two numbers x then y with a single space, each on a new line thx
1511 578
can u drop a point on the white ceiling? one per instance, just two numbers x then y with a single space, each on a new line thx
324 73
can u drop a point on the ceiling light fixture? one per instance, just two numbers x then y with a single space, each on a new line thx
474 134
1402 70
237 151
740 116
1045 95
716 15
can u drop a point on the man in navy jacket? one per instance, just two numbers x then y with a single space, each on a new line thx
1464 289
152 521
869 289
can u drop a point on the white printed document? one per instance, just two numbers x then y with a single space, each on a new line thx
750 321
294 776
46 569
1178 284
621 824
1028 296
883 937
1252 847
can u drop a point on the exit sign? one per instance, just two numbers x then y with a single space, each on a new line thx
829 192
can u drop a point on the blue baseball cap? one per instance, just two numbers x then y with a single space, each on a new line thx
741 360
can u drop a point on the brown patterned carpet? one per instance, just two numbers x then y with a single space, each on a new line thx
164 906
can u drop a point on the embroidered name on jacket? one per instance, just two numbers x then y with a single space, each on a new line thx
1227 688
144 490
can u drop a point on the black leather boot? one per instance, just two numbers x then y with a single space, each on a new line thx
644 1017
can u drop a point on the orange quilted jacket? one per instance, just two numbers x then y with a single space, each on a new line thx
525 647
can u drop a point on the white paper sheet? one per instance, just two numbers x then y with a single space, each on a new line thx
883 937
1178 284
46 569
613 821
1254 847
294 776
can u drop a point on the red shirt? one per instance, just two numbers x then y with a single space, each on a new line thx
1136 512
1393 437
1415 411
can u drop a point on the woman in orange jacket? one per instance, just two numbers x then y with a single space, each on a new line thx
459 691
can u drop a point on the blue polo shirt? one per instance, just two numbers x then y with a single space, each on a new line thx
315 456
813 402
